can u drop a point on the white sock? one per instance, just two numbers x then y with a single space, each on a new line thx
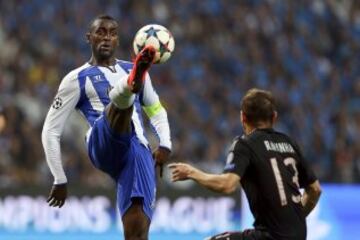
121 95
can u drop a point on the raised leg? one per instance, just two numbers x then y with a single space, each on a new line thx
122 96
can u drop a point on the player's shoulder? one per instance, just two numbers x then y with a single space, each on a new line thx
286 138
128 66
124 62
125 65
239 142
236 140
74 74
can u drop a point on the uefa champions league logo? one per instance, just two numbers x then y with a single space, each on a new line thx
57 103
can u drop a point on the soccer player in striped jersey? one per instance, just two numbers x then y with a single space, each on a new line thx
111 94
271 169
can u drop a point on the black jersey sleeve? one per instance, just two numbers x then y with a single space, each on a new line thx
306 174
238 158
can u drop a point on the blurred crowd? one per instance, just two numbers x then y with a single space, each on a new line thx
306 52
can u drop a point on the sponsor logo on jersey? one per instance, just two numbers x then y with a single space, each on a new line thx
98 78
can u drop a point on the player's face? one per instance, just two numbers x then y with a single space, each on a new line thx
103 38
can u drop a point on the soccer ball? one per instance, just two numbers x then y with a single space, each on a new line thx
158 37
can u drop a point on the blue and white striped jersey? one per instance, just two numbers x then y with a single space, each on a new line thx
86 90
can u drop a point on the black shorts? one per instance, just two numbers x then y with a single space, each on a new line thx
251 234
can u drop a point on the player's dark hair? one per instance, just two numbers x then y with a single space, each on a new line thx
258 106
100 17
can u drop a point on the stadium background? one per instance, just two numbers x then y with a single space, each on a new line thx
306 52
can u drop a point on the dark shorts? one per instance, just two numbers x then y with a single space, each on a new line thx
251 234
127 161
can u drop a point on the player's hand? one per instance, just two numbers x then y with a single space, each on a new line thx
57 195
161 156
180 171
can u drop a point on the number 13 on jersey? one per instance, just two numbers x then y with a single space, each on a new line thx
289 162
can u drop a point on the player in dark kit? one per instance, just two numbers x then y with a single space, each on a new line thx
271 169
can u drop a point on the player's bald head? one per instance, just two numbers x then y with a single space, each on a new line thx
97 19
258 106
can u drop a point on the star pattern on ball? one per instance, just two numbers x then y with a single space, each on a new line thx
151 32
140 47
57 103
163 48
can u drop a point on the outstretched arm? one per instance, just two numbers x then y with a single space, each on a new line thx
64 103
223 183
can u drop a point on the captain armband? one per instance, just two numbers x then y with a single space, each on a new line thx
153 110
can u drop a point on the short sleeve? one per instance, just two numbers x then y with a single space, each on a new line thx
238 158
306 174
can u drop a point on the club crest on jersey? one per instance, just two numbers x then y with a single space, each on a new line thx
57 103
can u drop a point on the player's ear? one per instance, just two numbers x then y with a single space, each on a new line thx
275 116
87 36
243 118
